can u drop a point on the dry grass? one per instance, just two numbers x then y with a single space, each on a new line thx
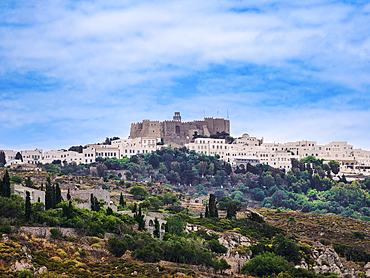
318 227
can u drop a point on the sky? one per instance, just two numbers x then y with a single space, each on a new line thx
76 72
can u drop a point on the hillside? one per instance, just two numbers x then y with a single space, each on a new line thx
318 219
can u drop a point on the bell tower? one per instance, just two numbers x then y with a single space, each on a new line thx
177 117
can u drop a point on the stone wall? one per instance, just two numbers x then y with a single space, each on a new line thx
44 232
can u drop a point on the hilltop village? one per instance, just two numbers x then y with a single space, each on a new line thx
209 137
186 199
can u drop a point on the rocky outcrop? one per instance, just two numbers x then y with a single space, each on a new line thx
367 270
25 263
232 240
327 260
235 243
44 232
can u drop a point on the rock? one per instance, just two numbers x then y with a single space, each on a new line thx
331 257
335 269
134 273
21 265
42 270
324 269
5 237
349 273
367 272
367 266
127 256
316 269
303 264
179 274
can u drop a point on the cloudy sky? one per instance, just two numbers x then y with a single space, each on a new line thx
75 72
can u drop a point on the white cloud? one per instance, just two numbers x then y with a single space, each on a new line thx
113 63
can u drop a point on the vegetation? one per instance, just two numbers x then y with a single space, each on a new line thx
297 202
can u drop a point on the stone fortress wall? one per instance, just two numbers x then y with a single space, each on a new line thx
175 133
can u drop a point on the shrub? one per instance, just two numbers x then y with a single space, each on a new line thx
265 264
25 274
16 179
117 247
55 233
5 227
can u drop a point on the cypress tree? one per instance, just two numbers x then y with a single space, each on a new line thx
69 195
2 159
6 185
212 206
48 197
92 202
28 182
28 207
70 210
58 194
156 232
122 201
207 212
1 188
53 199
139 217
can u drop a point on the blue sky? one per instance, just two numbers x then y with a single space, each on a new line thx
75 72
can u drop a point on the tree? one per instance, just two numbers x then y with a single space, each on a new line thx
264 265
212 206
202 168
117 247
215 246
2 159
58 194
139 192
156 232
28 182
28 208
16 179
234 179
206 214
109 211
70 210
69 195
334 166
175 225
224 265
154 160
231 210
6 184
122 201
139 217
95 204
48 195
102 169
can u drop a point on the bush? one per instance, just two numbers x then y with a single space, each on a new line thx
25 274
5 227
139 192
55 233
16 179
117 247
265 264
